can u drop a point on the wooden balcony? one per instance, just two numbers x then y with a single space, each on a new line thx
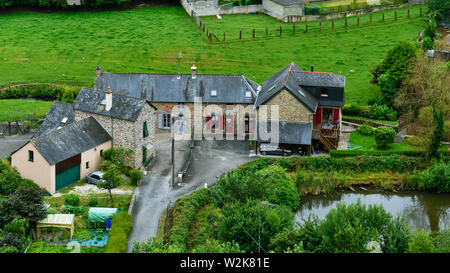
327 134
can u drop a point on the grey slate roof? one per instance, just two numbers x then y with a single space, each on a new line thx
71 140
289 132
123 107
305 86
287 2
54 118
168 88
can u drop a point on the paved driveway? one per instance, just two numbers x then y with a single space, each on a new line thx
209 159
9 144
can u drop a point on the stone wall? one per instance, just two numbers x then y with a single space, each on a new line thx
290 109
147 115
211 8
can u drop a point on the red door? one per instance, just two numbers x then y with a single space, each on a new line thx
318 116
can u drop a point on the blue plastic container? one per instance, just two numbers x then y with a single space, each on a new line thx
108 223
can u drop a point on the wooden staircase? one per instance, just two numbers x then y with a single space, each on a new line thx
329 143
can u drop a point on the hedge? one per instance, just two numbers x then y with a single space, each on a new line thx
118 237
40 91
350 153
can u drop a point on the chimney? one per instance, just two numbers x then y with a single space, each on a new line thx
108 98
312 68
194 71
98 71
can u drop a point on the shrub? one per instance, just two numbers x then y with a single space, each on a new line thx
352 110
384 136
427 43
436 177
18 226
417 141
71 199
118 237
280 187
366 130
10 180
383 112
8 249
421 243
136 176
93 201
104 166
441 241
109 154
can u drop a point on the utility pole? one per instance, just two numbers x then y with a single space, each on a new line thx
173 151
259 231
179 64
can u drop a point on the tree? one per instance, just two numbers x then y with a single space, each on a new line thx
112 179
25 203
440 8
384 136
438 133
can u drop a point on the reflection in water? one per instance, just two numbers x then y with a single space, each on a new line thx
430 211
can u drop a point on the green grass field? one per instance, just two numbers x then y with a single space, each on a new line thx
367 143
16 109
66 47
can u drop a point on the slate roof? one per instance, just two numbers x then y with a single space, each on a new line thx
168 88
71 140
123 107
300 84
287 2
289 132
54 118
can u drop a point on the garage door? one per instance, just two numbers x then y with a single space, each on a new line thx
67 177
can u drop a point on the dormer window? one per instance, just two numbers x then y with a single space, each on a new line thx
323 92
248 94
64 120
213 93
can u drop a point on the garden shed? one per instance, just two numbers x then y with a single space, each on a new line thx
56 227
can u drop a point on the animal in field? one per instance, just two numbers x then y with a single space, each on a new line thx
218 17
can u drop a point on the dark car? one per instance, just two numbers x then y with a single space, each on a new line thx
95 178
268 149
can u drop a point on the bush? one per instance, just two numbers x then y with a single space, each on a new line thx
417 141
427 43
384 136
93 201
421 243
136 176
352 110
72 199
353 153
366 130
118 237
104 166
109 154
436 177
280 187
18 226
383 112
441 241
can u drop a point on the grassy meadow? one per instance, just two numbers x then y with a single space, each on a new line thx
16 109
66 47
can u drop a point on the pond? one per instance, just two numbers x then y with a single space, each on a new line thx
430 211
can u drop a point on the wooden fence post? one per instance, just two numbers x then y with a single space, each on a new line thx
382 17
224 36
358 20
306 27
200 23
293 29
267 32
408 13
332 24
320 25
420 11
345 21
253 33
281 30
395 16
240 35
370 18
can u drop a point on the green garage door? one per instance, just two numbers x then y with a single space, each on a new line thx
67 177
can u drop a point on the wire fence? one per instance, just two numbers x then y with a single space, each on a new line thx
372 20
317 10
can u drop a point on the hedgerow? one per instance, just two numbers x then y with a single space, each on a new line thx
118 237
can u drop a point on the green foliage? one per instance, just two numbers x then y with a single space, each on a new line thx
112 179
109 154
441 8
136 176
18 226
427 43
366 130
279 185
348 229
154 245
384 136
67 94
10 179
104 166
238 216
8 249
441 241
417 141
93 201
72 199
436 177
352 109
118 237
438 133
421 243
214 246
24 203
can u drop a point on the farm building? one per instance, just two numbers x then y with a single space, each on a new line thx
284 9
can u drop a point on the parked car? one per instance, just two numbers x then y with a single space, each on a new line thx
95 178
267 149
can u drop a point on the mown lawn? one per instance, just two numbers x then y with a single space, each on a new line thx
66 47
367 143
11 110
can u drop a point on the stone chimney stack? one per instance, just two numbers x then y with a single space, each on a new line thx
194 71
108 98
98 71
312 68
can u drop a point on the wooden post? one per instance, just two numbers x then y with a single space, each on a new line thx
370 18
408 13
320 25
395 16
240 35
224 36
382 17
281 30
358 20
345 21
207 32
253 33
200 24
332 24
293 29
267 31
306 27
420 11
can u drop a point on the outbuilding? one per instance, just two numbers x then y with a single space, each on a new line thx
61 158
284 10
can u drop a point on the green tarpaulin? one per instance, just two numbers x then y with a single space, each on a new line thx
99 215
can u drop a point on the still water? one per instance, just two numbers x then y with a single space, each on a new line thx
430 211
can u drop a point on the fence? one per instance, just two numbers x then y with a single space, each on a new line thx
17 123
317 10
290 30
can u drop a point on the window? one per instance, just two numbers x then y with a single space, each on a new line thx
327 115
101 152
181 105
166 120
323 92
145 130
248 94
213 93
31 156
87 164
